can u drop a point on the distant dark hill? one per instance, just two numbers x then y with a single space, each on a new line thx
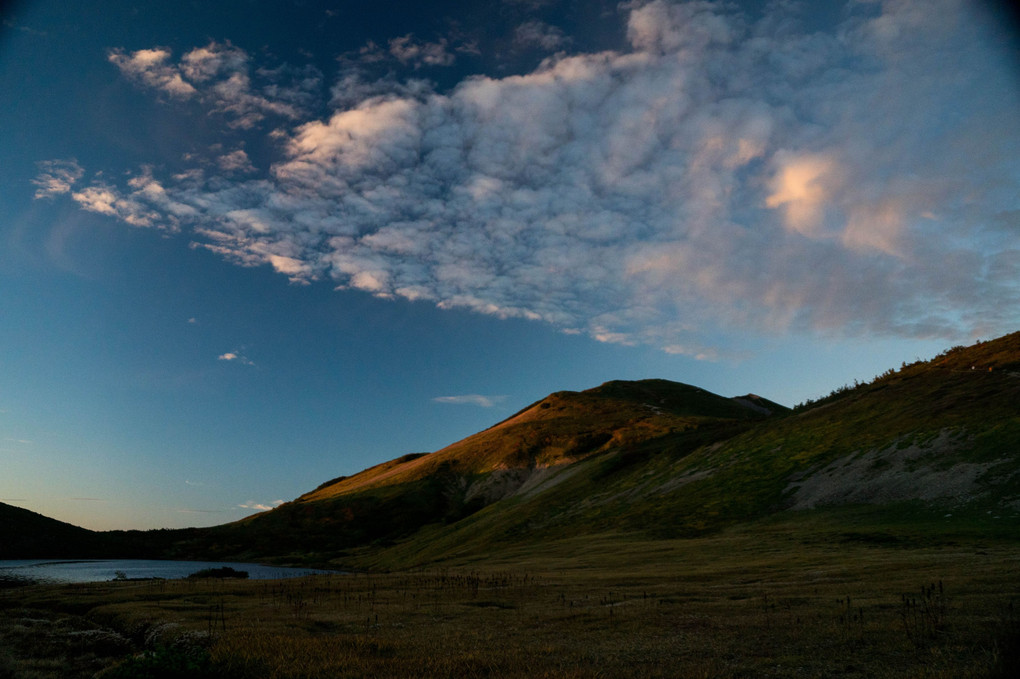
25 534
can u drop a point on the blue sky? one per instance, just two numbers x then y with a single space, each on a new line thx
246 247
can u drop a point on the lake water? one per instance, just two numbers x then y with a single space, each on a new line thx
91 570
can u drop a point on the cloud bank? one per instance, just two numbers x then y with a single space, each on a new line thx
719 176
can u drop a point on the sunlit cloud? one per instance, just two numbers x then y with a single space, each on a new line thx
665 194
150 67
802 187
471 399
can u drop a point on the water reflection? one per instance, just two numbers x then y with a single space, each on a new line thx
92 570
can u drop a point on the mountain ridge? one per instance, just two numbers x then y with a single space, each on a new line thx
623 402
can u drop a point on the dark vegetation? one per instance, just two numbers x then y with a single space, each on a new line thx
221 572
780 597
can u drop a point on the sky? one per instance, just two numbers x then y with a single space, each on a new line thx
247 247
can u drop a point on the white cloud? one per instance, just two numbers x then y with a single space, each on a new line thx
260 506
721 175
471 399
56 177
233 356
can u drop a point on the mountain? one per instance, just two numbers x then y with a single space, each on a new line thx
670 460
562 428
534 449
662 459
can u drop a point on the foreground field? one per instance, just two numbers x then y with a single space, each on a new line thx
812 596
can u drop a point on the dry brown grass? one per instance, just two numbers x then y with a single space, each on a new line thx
761 601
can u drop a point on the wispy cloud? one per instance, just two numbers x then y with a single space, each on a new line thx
259 506
410 51
221 76
471 399
8 23
721 175
540 34
56 177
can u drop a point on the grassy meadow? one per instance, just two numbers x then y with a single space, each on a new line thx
839 593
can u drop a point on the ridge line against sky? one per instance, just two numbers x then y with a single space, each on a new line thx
717 174
249 246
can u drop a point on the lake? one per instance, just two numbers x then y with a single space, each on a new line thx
94 570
